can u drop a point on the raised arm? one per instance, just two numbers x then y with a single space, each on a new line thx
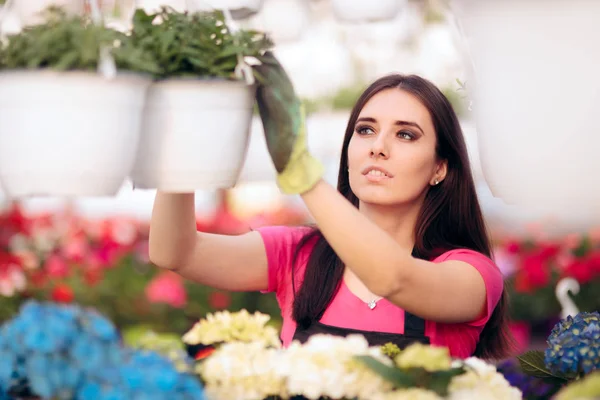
236 263
451 291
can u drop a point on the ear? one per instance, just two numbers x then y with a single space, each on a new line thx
440 173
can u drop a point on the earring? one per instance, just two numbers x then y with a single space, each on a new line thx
436 182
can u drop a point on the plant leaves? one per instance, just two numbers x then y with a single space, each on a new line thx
394 375
532 363
439 381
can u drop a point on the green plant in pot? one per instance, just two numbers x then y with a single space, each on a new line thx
198 113
65 128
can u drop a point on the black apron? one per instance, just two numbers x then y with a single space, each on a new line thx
414 332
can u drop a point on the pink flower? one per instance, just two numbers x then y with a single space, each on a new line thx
506 261
56 266
12 281
123 231
76 248
168 288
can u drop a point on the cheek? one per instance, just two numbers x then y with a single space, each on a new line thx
354 152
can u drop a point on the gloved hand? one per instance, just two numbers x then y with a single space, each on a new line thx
283 120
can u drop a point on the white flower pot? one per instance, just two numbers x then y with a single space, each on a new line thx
195 135
240 9
537 99
283 20
152 6
31 11
366 11
68 134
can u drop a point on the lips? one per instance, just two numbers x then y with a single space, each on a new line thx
377 172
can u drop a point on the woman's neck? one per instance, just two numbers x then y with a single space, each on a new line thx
398 222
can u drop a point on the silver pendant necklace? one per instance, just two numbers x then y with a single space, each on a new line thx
373 303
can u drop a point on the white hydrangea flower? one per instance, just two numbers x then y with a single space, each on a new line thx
226 327
410 394
324 367
482 382
243 371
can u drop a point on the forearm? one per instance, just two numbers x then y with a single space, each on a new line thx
367 250
172 229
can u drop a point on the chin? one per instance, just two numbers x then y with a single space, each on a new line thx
377 196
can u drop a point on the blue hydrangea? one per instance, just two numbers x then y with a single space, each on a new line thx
67 352
574 345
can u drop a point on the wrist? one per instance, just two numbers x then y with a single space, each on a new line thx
301 174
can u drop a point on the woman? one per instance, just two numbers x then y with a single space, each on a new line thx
400 252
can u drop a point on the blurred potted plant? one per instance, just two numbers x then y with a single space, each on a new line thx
198 113
70 109
240 9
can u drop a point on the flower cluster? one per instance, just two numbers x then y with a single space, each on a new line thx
323 367
225 327
481 381
326 366
422 356
67 352
533 266
574 345
338 368
243 371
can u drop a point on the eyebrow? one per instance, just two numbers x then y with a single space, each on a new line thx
403 123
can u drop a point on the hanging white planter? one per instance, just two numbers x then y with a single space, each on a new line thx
151 6
366 11
283 20
240 9
68 133
31 11
537 99
195 135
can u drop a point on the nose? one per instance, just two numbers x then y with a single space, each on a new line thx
379 148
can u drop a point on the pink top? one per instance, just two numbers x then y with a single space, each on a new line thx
348 311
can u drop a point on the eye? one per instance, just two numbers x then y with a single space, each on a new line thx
406 135
364 130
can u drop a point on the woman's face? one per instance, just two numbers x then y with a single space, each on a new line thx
391 155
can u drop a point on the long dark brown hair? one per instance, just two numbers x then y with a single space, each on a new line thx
450 217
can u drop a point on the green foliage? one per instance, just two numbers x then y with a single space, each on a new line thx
436 381
532 363
341 100
165 44
66 43
197 45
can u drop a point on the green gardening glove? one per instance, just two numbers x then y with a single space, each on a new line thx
282 117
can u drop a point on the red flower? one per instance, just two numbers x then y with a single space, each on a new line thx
594 262
219 300
513 247
204 353
533 274
167 287
62 293
580 269
584 269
